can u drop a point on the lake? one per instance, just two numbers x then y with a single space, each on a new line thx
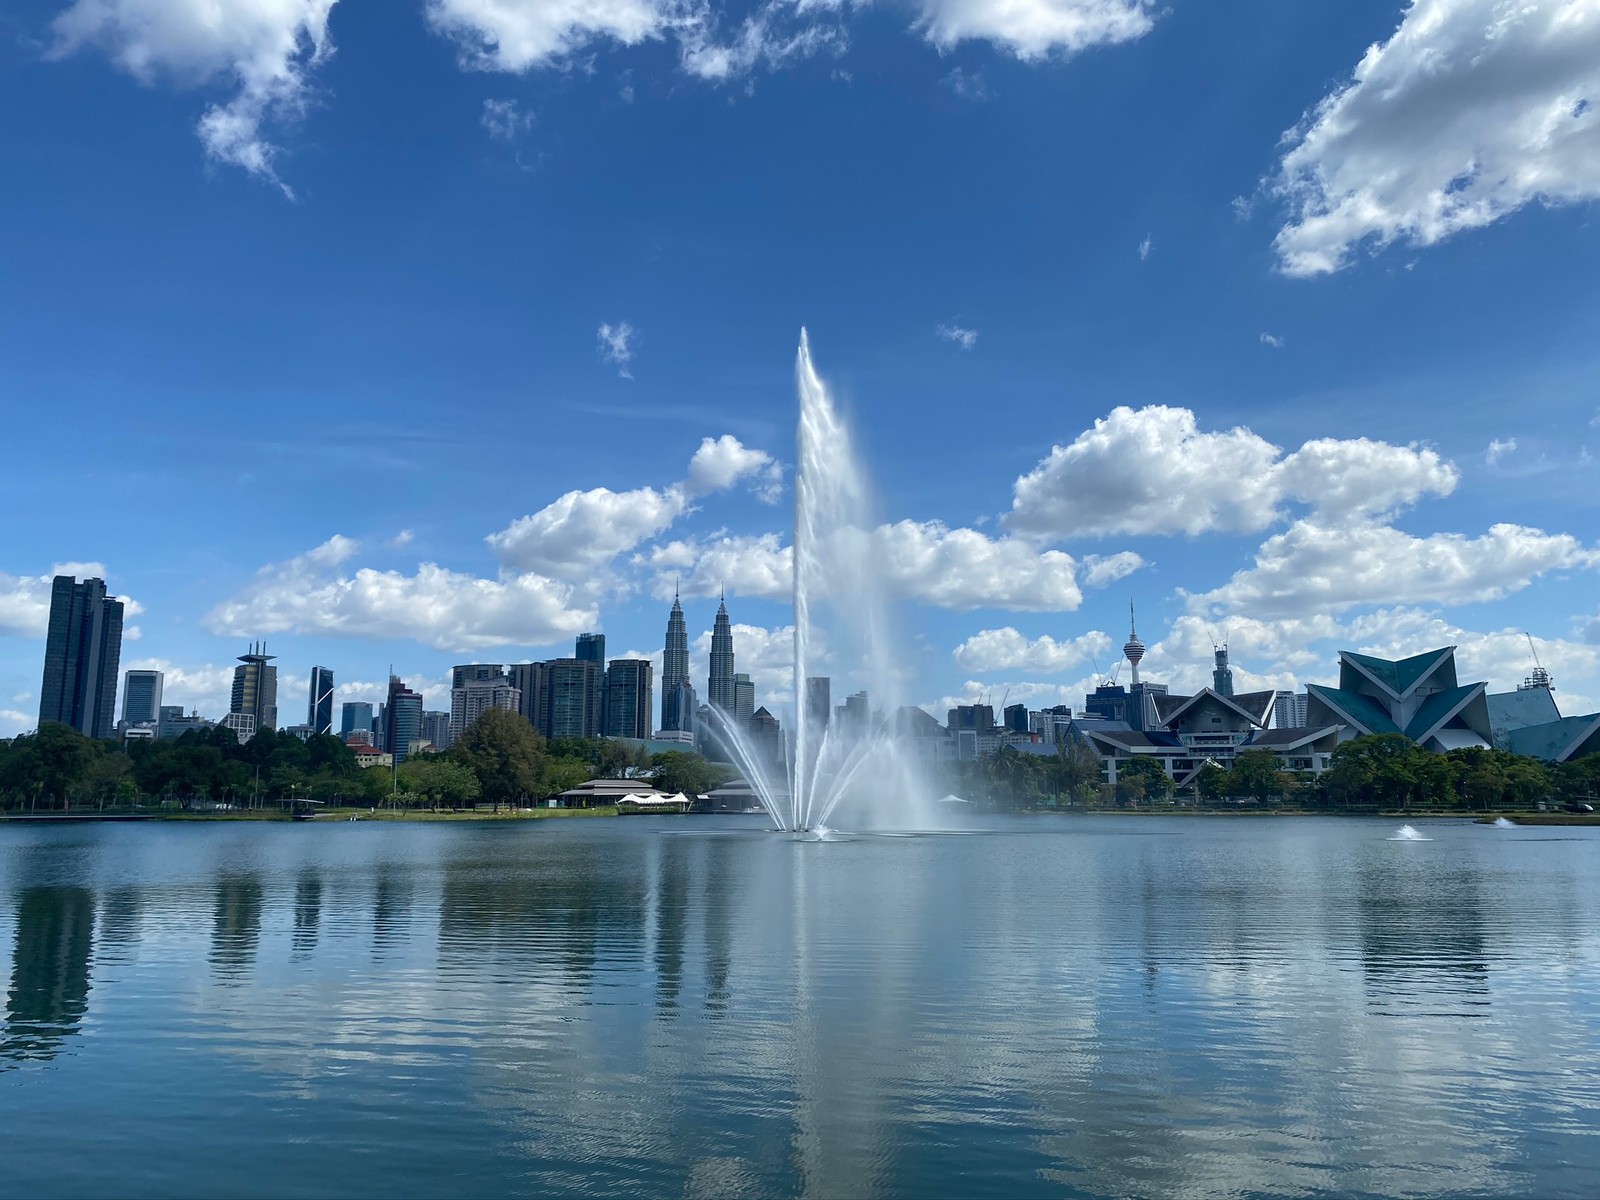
1046 1006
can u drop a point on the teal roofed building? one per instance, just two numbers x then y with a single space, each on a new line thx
1420 697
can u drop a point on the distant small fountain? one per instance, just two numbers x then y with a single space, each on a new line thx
840 608
1409 833
1504 823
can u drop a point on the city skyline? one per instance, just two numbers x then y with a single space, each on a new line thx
1143 352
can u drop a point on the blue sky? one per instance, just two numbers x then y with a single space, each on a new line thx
395 333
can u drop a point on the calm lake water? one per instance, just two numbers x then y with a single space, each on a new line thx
695 1007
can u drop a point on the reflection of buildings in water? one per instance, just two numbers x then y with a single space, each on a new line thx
720 865
672 917
391 908
237 926
307 912
50 973
118 932
1423 942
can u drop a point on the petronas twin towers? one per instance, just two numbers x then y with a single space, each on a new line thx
678 703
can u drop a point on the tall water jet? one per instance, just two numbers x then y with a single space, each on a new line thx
840 616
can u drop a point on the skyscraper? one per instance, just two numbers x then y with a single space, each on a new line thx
628 697
1222 673
255 690
463 675
436 729
675 673
319 713
476 697
404 716
819 701
356 716
744 700
82 651
141 697
572 705
592 648
532 681
719 686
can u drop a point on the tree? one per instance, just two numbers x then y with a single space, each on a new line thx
680 771
1076 770
1211 784
1142 777
440 781
505 753
1255 774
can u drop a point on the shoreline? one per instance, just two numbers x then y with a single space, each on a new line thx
338 816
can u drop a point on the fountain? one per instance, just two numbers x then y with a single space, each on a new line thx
1409 833
840 615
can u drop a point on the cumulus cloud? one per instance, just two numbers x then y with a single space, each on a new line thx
721 462
1102 570
1007 650
313 594
207 689
263 50
1153 470
965 338
1472 110
766 655
1316 567
517 35
923 561
25 600
1033 29
616 346
583 531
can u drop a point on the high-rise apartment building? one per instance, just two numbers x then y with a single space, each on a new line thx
675 673
470 672
319 713
1015 718
141 697
744 700
83 648
478 696
629 697
591 648
255 690
532 681
719 685
573 698
403 716
436 730
1289 710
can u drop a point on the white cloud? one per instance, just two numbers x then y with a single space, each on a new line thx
1470 111
965 338
504 120
402 539
773 35
1498 449
583 531
207 689
1273 340
616 346
1313 567
312 594
1007 650
766 655
1154 471
924 561
25 600
518 35
969 85
1032 29
1145 247
1102 570
721 462
265 49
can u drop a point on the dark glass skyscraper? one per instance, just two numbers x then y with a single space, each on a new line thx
404 716
675 673
592 648
357 715
319 714
141 697
628 698
82 651
719 686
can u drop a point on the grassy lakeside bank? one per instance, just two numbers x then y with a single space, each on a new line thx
1395 814
414 816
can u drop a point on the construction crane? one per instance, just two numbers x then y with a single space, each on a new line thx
1539 677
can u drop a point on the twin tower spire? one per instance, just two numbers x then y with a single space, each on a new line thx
678 702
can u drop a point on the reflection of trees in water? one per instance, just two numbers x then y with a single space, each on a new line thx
237 926
567 905
307 912
1423 939
49 991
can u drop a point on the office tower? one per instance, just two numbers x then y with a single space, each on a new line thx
766 737
243 725
628 697
355 717
532 681
819 700
573 698
436 730
1222 673
687 705
380 727
404 716
83 648
1016 718
141 697
857 714
744 700
719 686
591 648
971 716
1289 710
675 672
319 713
478 696
255 690
470 672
